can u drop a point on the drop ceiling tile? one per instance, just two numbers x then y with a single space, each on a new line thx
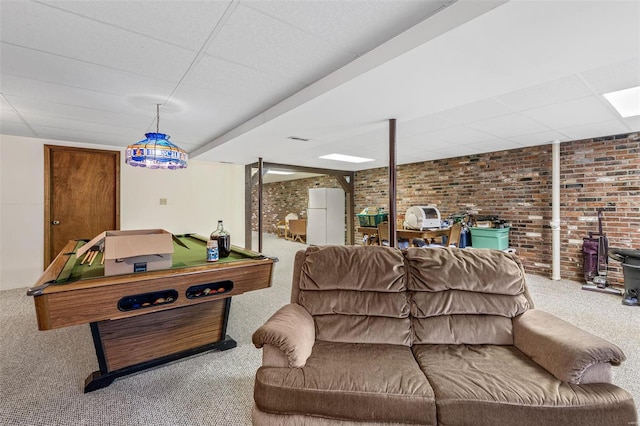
8 115
38 27
208 105
458 151
243 154
495 145
260 42
181 135
508 126
21 68
55 93
460 135
15 128
356 147
71 112
207 113
347 132
377 137
594 130
476 111
560 90
281 139
99 136
424 124
424 142
44 121
236 80
410 157
572 113
375 151
633 123
169 21
541 138
614 77
347 24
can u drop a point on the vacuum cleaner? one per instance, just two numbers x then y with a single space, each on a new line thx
596 261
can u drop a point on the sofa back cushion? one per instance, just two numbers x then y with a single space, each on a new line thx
355 294
465 296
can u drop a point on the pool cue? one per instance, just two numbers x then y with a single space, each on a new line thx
93 257
86 256
101 249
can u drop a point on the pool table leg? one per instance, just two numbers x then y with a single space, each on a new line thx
98 380
199 316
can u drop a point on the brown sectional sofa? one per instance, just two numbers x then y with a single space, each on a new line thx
428 336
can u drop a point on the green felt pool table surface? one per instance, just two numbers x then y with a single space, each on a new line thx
194 254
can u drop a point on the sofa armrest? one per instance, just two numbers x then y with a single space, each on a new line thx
272 356
569 353
291 330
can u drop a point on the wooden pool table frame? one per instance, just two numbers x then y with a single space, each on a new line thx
134 340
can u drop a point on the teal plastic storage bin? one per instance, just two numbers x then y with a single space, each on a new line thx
491 238
372 220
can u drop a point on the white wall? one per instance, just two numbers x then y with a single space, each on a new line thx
196 198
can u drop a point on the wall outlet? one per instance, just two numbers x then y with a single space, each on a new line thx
163 201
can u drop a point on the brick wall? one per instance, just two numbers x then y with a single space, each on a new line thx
514 185
282 198
599 173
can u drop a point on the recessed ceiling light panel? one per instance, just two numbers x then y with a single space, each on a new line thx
626 102
279 172
346 158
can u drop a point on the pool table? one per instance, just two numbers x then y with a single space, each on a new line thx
144 319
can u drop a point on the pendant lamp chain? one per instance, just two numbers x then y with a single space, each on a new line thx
157 118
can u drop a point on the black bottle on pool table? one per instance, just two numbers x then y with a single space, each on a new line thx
223 238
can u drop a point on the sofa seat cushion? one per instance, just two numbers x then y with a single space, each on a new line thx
348 381
499 385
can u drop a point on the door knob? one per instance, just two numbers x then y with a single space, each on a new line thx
55 222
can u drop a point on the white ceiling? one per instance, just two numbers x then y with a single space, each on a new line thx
237 78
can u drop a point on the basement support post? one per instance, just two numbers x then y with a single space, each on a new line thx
392 183
260 205
346 181
248 190
555 209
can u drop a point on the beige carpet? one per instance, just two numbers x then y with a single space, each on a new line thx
42 372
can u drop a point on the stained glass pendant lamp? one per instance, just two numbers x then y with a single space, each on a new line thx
156 152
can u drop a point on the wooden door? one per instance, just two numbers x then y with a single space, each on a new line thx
82 195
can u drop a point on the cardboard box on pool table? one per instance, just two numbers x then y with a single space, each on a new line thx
133 251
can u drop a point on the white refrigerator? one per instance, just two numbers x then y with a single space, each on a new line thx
326 216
